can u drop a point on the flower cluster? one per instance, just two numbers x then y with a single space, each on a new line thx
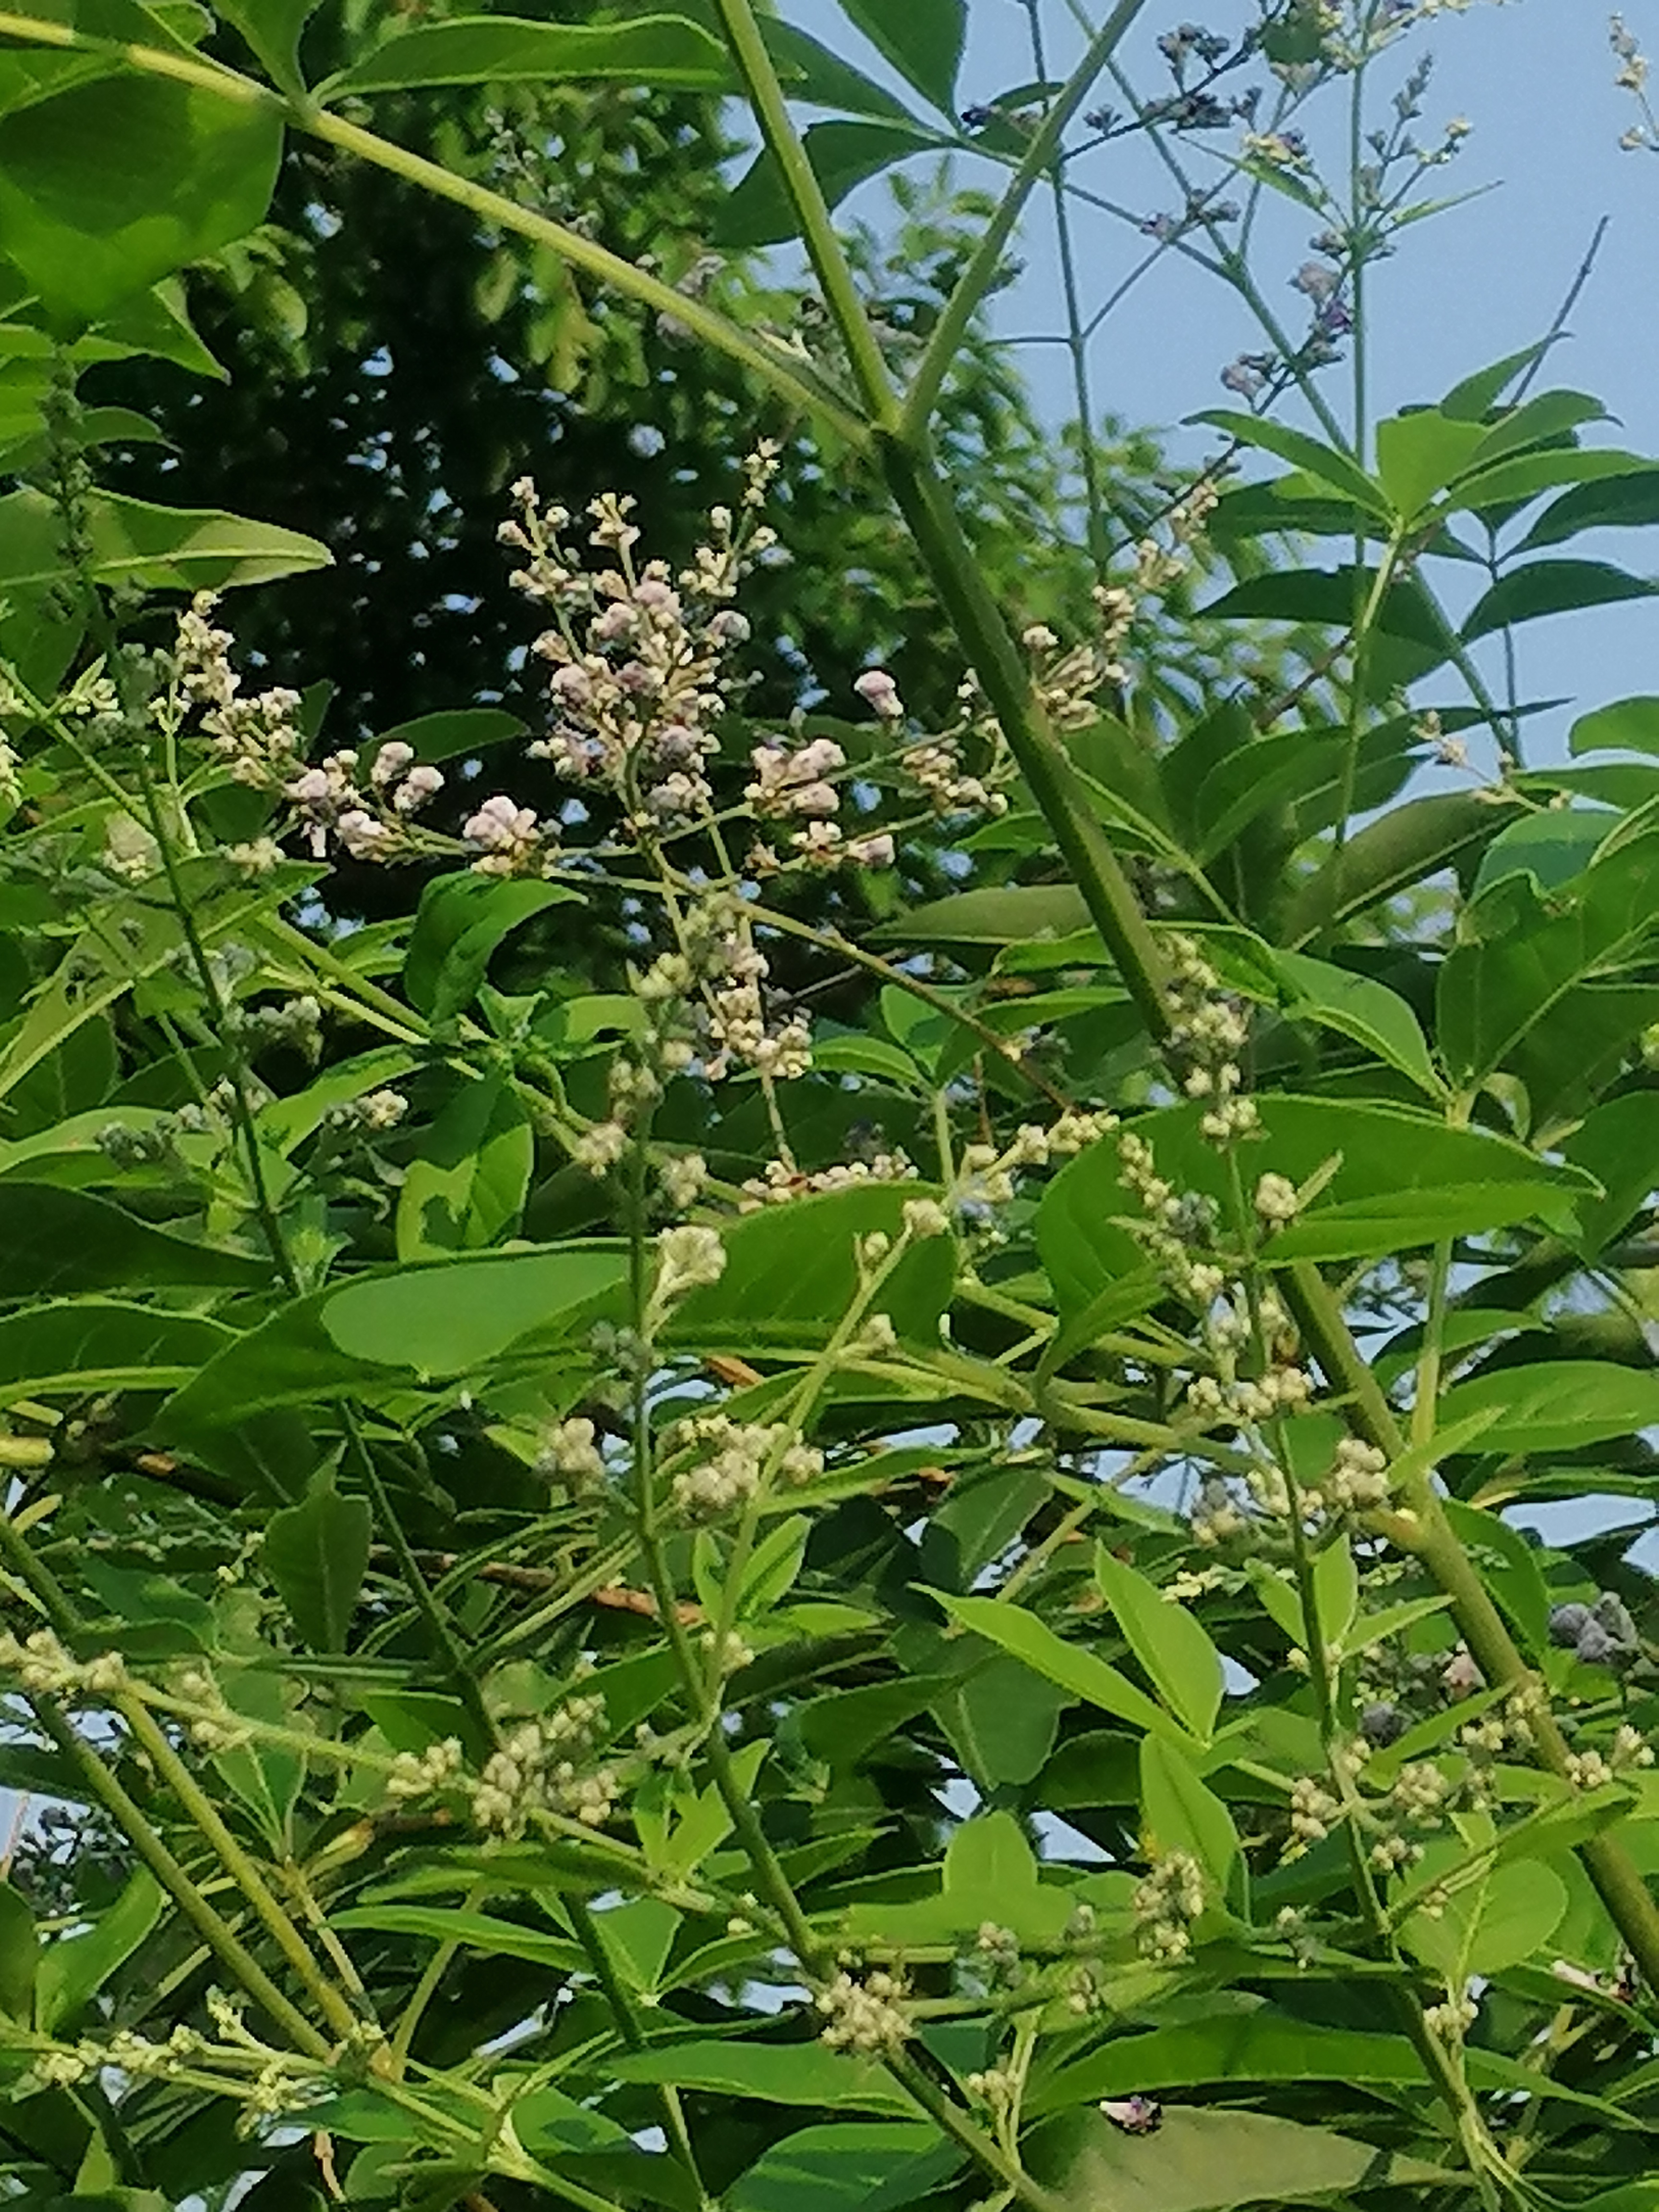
570 1451
934 767
795 785
45 1667
1208 1032
417 1774
1165 1904
734 1459
212 1722
538 1769
780 1181
368 815
865 2016
638 656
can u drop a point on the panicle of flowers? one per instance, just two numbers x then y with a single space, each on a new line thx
729 971
1157 565
986 1175
639 656
1166 1903
866 2016
570 1451
934 767
1209 1031
1179 1229
1314 1812
210 1721
688 1258
541 1768
781 1181
1632 77
257 737
418 1774
734 1458
46 1668
1359 1482
259 740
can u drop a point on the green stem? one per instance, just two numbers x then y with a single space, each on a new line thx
105 1789
1423 1529
817 229
1076 345
1047 767
986 259
588 1934
149 1738
444 1640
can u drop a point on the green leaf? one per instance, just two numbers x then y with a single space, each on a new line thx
19 1956
1555 1406
481 1932
382 1331
1489 1925
1081 1672
1012 914
91 1345
1359 1008
75 1967
1551 587
664 51
161 548
461 920
1514 482
1260 2046
792 1272
1490 994
759 211
467 1185
1210 2160
1618 1143
316 1552
1629 726
1324 463
1472 398
1182 1814
923 40
1552 848
1000 1722
56 1240
1413 841
1419 454
774 2073
1170 1643
115 183
1336 1589
272 29
869 2166
1401 1179
1628 503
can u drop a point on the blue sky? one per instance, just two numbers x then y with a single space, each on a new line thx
1535 80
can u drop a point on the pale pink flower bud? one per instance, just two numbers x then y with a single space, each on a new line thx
879 691
390 763
499 823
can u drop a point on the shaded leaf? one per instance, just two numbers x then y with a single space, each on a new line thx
316 1552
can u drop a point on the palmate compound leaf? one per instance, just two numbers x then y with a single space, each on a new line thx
1209 2161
